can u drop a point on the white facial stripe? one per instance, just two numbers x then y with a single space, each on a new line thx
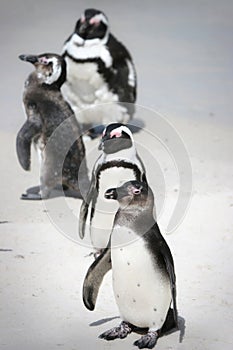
76 39
56 71
94 21
115 133
125 129
99 18
82 18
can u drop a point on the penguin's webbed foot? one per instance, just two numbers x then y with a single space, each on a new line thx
117 332
147 341
31 196
32 193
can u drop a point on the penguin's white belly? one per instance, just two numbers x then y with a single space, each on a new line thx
141 289
87 91
83 81
105 209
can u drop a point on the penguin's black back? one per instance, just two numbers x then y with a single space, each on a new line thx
118 83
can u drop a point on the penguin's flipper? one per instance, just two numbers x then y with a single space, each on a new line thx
124 71
170 323
167 257
94 278
143 175
171 272
29 130
82 218
84 208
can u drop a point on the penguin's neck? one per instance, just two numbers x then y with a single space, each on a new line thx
136 218
36 81
80 49
128 154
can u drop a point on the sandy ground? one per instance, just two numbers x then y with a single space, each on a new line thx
182 52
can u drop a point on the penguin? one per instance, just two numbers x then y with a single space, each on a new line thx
143 273
118 162
101 75
47 110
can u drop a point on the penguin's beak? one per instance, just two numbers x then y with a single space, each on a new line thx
101 144
102 141
111 193
29 58
83 27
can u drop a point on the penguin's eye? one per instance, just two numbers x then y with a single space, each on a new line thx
32 105
44 60
136 189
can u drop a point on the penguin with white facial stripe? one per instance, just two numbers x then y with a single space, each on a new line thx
143 274
47 113
100 73
119 162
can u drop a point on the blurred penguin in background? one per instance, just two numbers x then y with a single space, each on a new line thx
51 121
100 71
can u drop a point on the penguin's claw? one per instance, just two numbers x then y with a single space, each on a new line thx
117 332
95 254
147 341
98 253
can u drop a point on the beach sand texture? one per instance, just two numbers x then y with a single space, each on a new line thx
183 55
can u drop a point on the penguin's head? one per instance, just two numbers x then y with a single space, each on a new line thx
93 24
131 193
115 137
50 68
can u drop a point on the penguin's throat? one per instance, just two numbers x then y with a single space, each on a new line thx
77 40
128 154
135 216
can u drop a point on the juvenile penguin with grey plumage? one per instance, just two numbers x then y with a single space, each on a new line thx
52 127
100 73
118 162
143 274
